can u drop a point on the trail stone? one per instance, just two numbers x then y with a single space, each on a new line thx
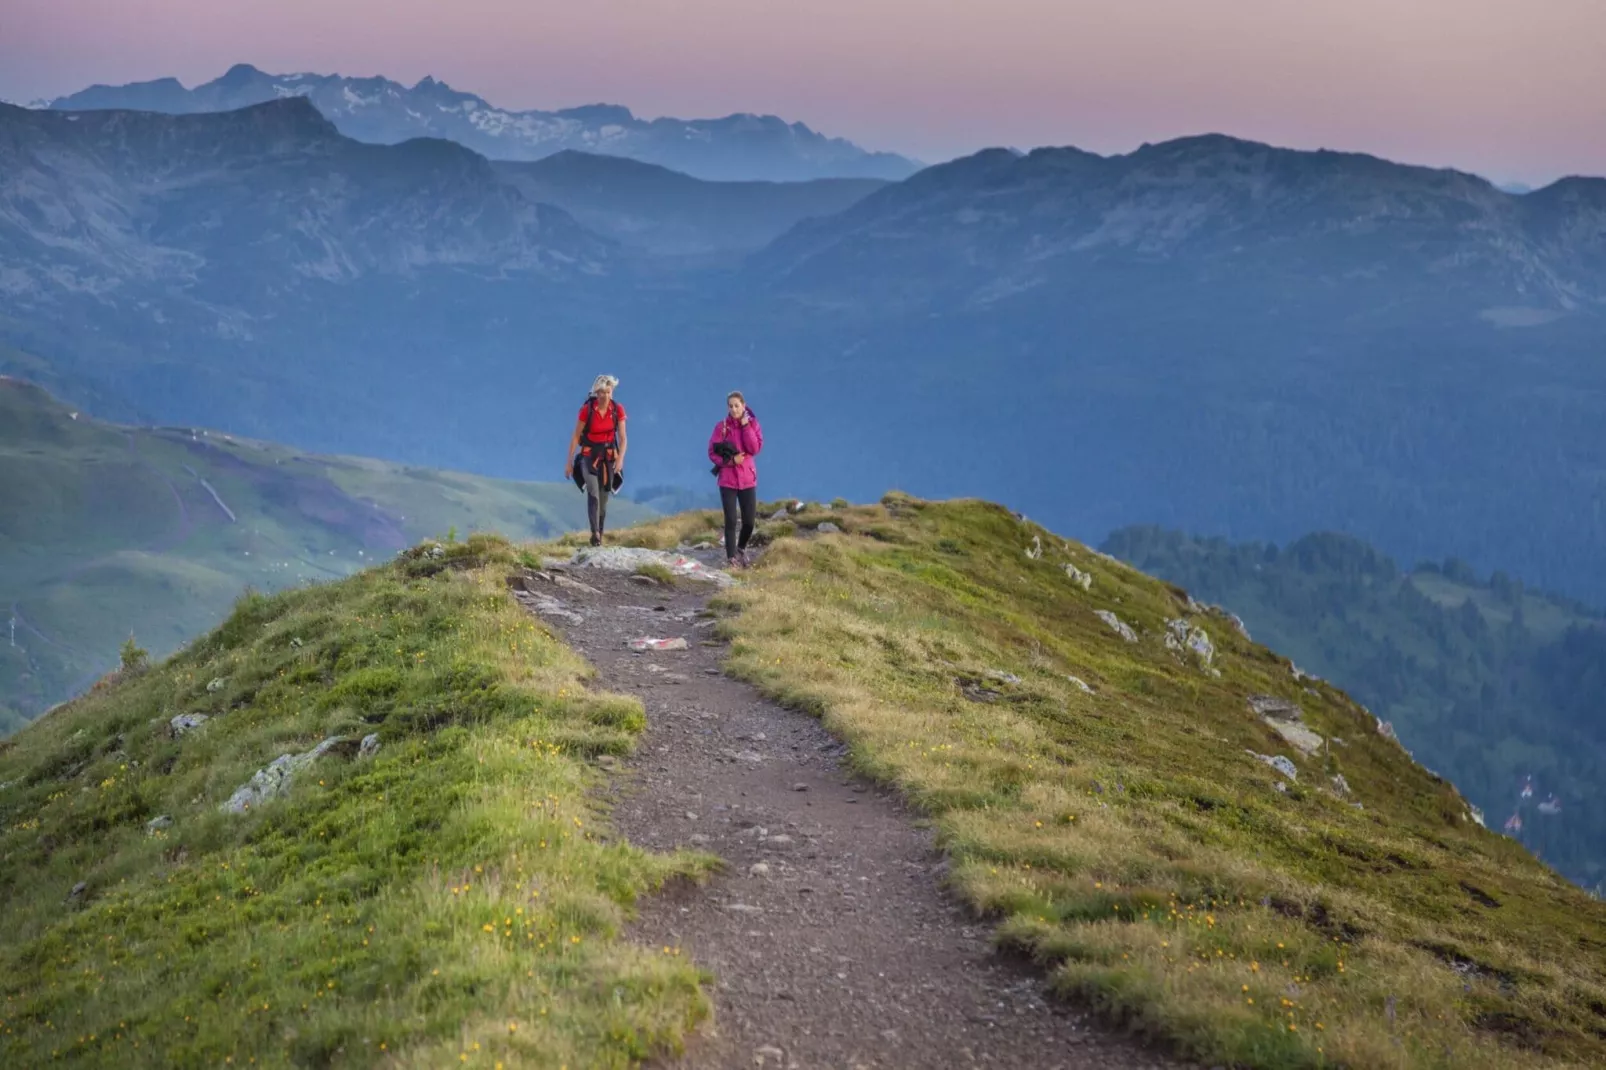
216 685
1080 683
547 606
631 558
645 644
758 869
1003 677
1119 626
800 787
1035 551
828 528
157 824
369 746
77 892
570 584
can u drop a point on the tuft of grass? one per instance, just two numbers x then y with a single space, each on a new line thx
455 895
658 573
1124 837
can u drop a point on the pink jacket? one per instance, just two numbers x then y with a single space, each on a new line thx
748 440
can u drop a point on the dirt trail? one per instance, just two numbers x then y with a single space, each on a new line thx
831 940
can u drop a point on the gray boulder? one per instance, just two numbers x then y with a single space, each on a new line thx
186 723
1184 635
1082 579
1283 765
1117 625
1272 706
273 781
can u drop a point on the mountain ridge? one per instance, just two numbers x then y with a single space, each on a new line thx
1424 346
111 529
377 109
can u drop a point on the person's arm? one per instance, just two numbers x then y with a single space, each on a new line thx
622 444
713 440
574 444
752 437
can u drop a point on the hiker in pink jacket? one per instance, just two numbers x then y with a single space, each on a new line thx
736 440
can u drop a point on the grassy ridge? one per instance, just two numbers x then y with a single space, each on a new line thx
449 900
1497 686
1126 838
108 530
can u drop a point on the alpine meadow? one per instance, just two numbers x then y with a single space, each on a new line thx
1139 605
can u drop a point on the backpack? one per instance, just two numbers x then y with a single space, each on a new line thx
585 440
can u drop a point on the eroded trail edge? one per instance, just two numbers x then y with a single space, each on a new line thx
829 936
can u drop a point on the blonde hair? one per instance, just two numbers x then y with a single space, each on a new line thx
603 382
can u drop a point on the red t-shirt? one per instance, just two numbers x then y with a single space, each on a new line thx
602 425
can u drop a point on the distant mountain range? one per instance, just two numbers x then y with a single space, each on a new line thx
384 112
1207 333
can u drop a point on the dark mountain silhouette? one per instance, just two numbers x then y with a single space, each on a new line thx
656 210
386 112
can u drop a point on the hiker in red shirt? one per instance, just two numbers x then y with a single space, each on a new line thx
736 440
596 457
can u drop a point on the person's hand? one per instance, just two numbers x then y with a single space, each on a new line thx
739 459
568 470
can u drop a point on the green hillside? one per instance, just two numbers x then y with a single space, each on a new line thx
1498 687
1345 910
448 896
111 530
1211 848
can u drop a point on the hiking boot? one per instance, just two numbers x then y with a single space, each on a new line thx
596 539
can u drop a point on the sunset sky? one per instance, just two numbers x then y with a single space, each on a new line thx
1515 91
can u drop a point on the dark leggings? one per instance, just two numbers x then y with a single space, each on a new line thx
747 500
598 489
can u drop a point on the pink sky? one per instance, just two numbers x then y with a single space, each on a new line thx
1510 90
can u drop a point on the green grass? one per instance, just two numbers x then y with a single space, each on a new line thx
660 574
1127 840
110 530
455 899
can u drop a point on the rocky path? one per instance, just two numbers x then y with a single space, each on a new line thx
830 938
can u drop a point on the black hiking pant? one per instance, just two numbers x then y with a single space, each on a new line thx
598 490
734 502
